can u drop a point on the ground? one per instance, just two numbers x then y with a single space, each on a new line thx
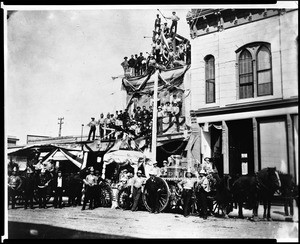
71 222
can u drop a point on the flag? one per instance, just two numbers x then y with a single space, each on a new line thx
164 40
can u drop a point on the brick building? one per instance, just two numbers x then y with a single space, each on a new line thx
244 83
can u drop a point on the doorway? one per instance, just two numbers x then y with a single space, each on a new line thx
241 148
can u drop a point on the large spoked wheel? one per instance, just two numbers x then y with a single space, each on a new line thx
124 201
163 200
105 196
219 207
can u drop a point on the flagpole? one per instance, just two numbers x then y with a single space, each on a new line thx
154 124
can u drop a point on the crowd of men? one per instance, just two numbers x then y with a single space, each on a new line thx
84 187
138 123
164 52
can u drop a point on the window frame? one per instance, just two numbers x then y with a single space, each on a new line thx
209 80
260 71
254 49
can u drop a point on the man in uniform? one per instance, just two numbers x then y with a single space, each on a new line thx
14 184
90 183
136 189
154 186
42 184
202 190
28 188
186 185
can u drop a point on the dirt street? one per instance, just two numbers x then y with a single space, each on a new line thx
117 223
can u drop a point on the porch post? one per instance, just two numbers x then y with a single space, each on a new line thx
291 168
225 151
255 144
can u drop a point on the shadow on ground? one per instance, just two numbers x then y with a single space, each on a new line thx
17 230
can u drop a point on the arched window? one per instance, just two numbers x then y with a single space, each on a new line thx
210 79
264 72
255 70
245 74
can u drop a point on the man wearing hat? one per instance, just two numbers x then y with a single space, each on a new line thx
43 181
202 189
163 170
28 188
14 184
90 184
174 19
136 189
176 114
160 116
186 185
153 189
92 126
125 65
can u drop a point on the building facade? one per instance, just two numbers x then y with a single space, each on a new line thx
244 83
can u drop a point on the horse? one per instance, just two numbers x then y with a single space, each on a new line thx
223 195
253 188
288 192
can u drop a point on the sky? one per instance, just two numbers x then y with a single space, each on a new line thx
60 63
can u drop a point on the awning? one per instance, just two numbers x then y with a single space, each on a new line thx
123 156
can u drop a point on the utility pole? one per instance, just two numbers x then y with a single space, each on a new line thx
60 123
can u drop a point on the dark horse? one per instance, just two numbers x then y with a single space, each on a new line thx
288 192
252 189
223 195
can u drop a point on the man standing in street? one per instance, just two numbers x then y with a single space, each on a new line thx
154 187
90 183
92 126
29 185
59 186
186 185
14 184
42 184
136 189
174 19
202 189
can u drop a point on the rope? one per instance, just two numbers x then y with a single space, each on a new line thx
174 151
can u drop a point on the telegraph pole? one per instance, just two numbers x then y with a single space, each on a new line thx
60 124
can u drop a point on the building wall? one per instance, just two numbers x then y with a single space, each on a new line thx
280 31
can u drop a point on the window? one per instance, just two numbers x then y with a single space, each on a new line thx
210 79
246 74
264 76
255 70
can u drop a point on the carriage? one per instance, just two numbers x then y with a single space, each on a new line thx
170 197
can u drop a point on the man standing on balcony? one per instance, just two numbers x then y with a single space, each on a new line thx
92 126
131 63
125 65
101 123
176 114
174 19
157 23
